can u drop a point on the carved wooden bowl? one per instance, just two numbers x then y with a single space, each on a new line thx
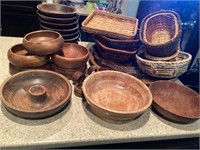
71 56
43 42
175 102
116 96
55 19
35 94
57 10
18 56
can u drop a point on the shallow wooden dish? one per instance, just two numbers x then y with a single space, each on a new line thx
71 56
43 42
57 10
35 94
116 96
55 19
175 102
18 56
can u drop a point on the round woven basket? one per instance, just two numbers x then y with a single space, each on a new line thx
160 33
164 69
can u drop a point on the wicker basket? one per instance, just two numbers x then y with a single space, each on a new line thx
164 69
160 33
110 24
127 45
114 54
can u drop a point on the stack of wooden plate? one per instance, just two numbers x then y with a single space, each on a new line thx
60 18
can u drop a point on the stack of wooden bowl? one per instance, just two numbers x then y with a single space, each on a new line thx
161 57
71 58
59 18
35 51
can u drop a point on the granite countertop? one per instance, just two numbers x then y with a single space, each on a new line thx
77 126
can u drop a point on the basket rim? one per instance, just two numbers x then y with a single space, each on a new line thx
179 30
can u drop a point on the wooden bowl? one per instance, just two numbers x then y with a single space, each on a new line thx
18 56
175 102
58 25
116 96
35 94
72 40
71 56
70 36
57 10
56 20
43 42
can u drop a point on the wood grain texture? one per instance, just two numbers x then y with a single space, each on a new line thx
116 95
176 102
36 93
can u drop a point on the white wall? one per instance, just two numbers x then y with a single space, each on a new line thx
130 7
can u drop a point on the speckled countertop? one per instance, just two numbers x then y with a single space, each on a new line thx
77 126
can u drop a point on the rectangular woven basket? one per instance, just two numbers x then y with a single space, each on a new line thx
160 33
110 24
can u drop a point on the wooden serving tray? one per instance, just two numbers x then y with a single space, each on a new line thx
110 24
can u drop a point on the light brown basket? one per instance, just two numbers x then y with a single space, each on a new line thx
110 24
164 69
160 33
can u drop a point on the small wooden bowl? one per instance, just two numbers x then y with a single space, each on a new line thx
56 20
18 56
35 94
116 96
175 102
15 69
57 10
43 42
71 56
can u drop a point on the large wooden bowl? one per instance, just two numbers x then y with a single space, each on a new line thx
35 94
175 102
116 96
71 56
57 10
18 56
43 42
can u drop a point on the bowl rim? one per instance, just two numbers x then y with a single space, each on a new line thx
58 24
150 100
182 86
59 30
66 100
43 31
57 56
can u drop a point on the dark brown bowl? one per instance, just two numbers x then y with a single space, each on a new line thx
72 40
175 102
70 36
116 96
57 20
18 56
57 10
35 94
58 25
71 56
43 42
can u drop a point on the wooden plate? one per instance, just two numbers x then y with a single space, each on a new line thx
175 102
35 94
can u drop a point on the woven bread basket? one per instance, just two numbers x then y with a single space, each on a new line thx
114 54
123 44
164 69
160 33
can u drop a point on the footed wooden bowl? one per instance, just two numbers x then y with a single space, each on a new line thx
43 42
116 96
175 102
71 56
18 56
35 94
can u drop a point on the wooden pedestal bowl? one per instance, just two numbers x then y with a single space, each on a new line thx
43 42
18 56
35 94
175 102
116 96
71 56
57 10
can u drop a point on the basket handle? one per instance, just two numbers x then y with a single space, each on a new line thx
165 73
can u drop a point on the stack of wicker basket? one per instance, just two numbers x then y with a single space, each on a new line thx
161 57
